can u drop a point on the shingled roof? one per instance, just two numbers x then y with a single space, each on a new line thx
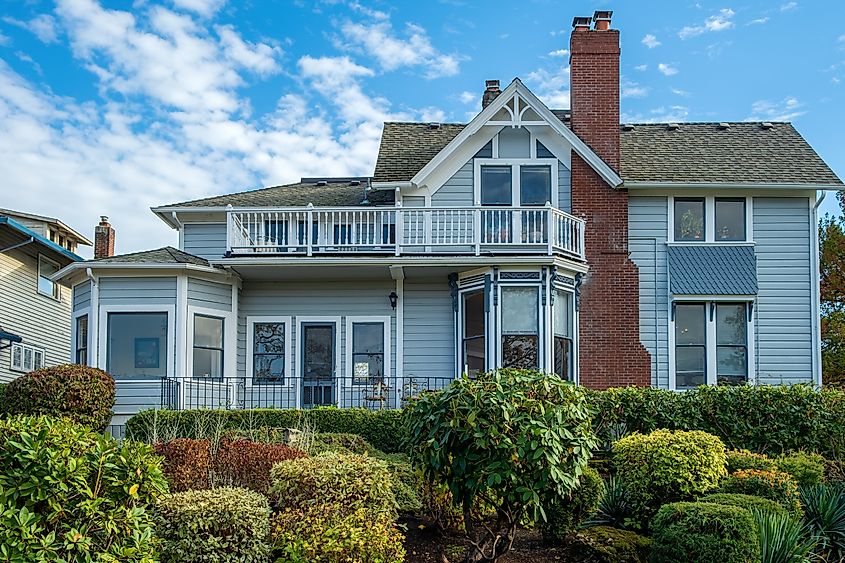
165 255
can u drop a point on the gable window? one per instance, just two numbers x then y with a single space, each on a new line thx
81 346
496 185
368 353
690 345
535 185
730 219
46 286
563 336
269 352
689 219
26 358
208 347
137 344
474 343
520 328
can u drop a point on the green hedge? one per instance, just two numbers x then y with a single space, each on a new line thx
382 428
2 398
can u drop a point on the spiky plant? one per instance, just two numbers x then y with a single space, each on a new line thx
783 538
824 512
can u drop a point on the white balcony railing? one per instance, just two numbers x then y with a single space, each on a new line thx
403 231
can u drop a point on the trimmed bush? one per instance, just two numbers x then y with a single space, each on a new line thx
340 443
743 459
247 464
564 515
603 544
749 502
382 428
187 463
667 466
773 485
330 533
70 494
806 468
704 533
223 524
80 393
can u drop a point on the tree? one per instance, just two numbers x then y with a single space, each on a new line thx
832 296
507 439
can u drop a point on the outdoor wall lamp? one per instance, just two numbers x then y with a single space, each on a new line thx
393 299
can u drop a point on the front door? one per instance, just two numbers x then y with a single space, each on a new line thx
318 364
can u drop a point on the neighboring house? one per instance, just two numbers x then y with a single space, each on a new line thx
35 311
670 255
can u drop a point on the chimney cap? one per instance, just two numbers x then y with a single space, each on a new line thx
492 84
602 15
581 22
104 218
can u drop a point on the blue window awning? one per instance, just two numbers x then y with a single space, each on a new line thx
712 270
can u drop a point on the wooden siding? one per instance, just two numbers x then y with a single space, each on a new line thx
429 334
212 295
206 240
564 188
137 291
40 320
784 308
457 191
81 296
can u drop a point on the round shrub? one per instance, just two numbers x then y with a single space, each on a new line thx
564 515
806 468
743 501
603 544
81 393
773 485
187 463
225 524
704 533
70 494
743 459
339 443
667 466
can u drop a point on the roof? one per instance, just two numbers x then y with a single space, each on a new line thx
165 255
712 270
49 220
406 147
321 192
22 233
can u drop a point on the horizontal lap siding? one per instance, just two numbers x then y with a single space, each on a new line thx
429 329
137 291
457 191
564 188
82 296
204 240
208 294
784 308
647 228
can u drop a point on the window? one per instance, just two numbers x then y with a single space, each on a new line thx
137 345
496 185
81 346
474 343
689 219
367 353
268 352
26 358
730 219
731 343
208 347
520 328
535 185
563 335
690 345
46 286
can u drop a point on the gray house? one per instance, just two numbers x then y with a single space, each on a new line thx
35 311
672 255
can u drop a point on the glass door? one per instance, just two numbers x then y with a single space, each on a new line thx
318 364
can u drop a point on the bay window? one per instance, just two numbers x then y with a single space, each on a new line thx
520 328
562 339
208 347
137 344
474 343
81 352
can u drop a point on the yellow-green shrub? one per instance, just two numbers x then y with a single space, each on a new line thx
743 459
806 468
773 485
749 502
564 515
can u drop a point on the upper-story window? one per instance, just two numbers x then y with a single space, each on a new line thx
46 286
710 219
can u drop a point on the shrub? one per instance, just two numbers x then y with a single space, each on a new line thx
330 533
704 533
667 466
748 502
380 428
614 509
340 443
187 463
81 393
782 538
773 485
70 494
247 464
743 459
824 512
806 468
223 524
564 515
2 398
405 481
603 544
506 437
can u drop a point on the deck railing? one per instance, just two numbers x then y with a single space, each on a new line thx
403 231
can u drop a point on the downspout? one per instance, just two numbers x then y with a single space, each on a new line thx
94 321
816 291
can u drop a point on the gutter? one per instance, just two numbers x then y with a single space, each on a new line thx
407 184
18 245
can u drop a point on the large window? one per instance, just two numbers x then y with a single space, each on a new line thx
535 185
496 185
563 329
710 219
689 219
730 219
137 345
731 343
81 344
367 353
208 347
26 358
46 286
690 345
520 328
474 343
269 352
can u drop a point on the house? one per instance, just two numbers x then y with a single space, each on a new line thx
35 311
664 254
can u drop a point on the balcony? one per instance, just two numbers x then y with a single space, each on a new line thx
405 231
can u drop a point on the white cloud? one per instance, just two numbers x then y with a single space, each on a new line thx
667 69
641 68
679 92
551 86
42 26
559 53
467 97
260 58
786 109
650 41
759 21
631 89
662 114
718 22
5 40
788 6
205 8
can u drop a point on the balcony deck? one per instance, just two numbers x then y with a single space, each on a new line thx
405 231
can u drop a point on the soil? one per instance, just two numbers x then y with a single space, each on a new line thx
426 544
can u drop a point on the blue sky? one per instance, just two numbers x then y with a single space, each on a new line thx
110 107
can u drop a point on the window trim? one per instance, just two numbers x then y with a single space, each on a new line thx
221 349
20 368
385 321
710 219
573 337
229 341
339 375
57 291
459 325
251 321
541 322
169 310
75 337
515 164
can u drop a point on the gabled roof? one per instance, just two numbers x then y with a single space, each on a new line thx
166 256
18 235
406 147
50 221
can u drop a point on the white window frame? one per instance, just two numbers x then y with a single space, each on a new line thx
515 164
57 292
710 335
73 330
251 321
459 326
385 322
21 368
102 325
710 220
338 353
573 318
542 334
229 342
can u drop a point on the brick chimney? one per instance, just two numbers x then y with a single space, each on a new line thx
491 92
611 354
103 239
